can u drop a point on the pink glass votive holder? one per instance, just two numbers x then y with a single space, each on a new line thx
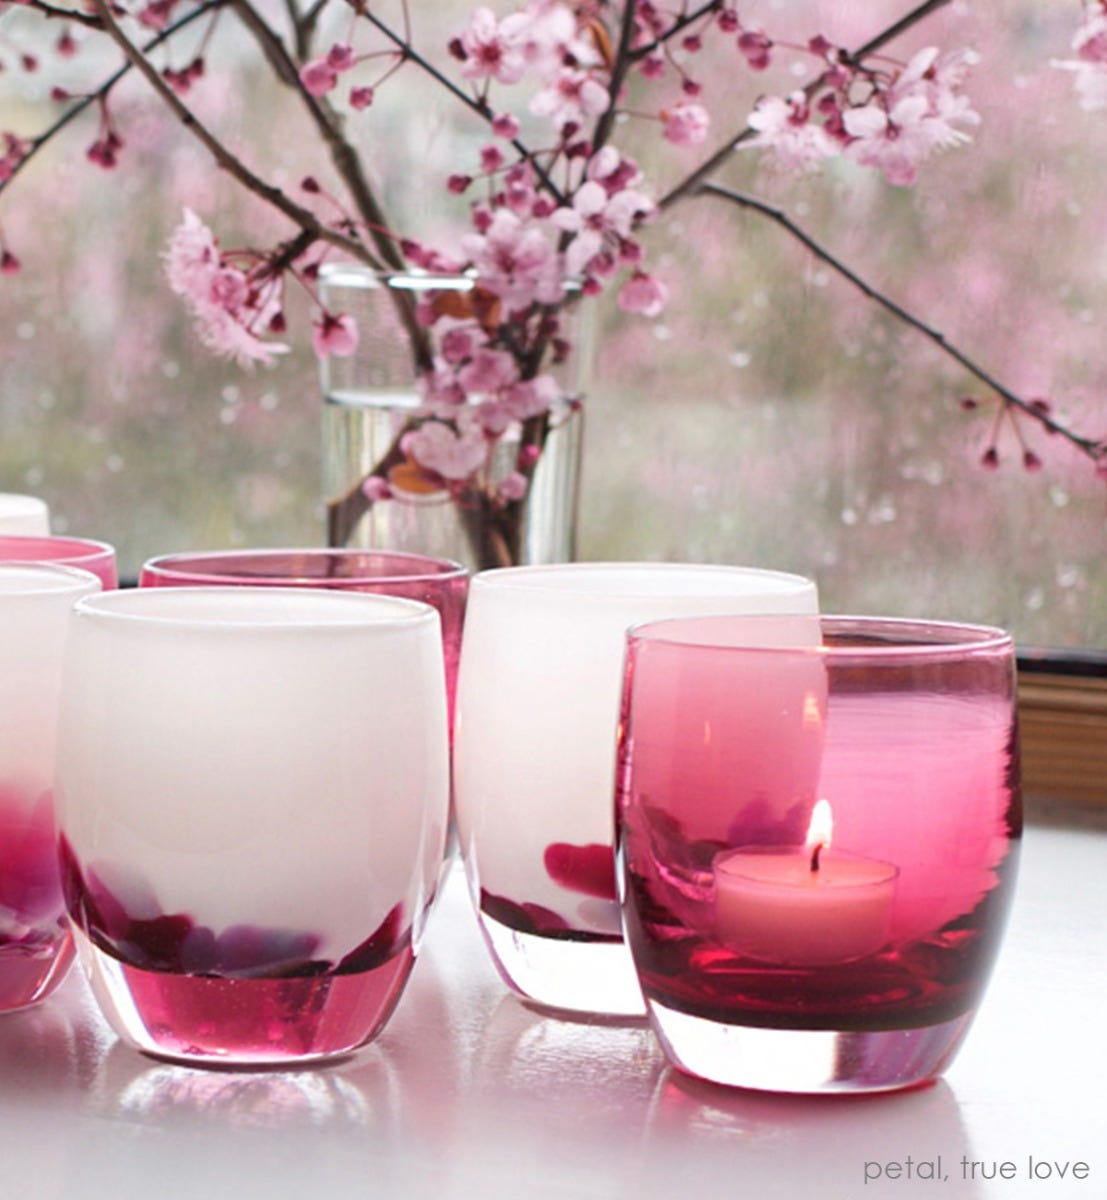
83 553
35 944
818 835
439 582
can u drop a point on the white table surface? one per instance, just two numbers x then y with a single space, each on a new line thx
468 1093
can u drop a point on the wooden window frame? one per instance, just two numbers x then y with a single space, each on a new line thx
1063 728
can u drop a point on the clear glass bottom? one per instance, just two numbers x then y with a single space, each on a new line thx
806 1061
212 1021
29 973
571 974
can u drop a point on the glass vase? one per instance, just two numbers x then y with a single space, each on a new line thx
376 496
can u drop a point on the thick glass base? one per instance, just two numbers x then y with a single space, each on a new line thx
29 973
571 974
212 1021
806 1061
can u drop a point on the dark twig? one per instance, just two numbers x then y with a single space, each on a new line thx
1092 447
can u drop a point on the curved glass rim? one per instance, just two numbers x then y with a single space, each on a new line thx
425 568
78 578
907 639
20 503
236 609
69 549
411 279
557 579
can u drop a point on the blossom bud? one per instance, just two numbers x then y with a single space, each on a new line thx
361 97
1031 461
756 48
990 458
728 21
9 264
459 184
310 185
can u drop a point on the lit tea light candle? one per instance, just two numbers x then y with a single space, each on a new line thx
803 906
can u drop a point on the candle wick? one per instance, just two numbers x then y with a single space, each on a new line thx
815 856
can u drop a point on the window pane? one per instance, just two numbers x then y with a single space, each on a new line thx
772 415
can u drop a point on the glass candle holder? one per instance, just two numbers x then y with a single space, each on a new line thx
83 553
252 792
25 515
818 833
538 704
35 945
439 582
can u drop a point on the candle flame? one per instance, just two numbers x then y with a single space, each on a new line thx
821 829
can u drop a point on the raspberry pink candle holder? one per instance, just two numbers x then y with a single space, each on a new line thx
818 825
538 705
35 945
82 553
439 582
252 796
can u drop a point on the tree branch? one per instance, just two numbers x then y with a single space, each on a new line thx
303 217
93 97
1092 447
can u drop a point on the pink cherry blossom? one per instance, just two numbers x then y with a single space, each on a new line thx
506 126
919 113
785 129
341 57
488 371
449 453
488 53
513 487
375 488
228 308
318 77
15 150
516 261
643 294
458 340
756 48
571 97
686 124
595 217
1090 64
334 335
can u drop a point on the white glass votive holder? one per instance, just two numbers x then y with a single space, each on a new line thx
252 798
25 515
534 758
35 945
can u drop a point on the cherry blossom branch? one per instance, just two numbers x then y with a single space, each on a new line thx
1092 447
52 13
343 155
479 107
677 27
901 26
94 97
711 164
619 71
272 195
